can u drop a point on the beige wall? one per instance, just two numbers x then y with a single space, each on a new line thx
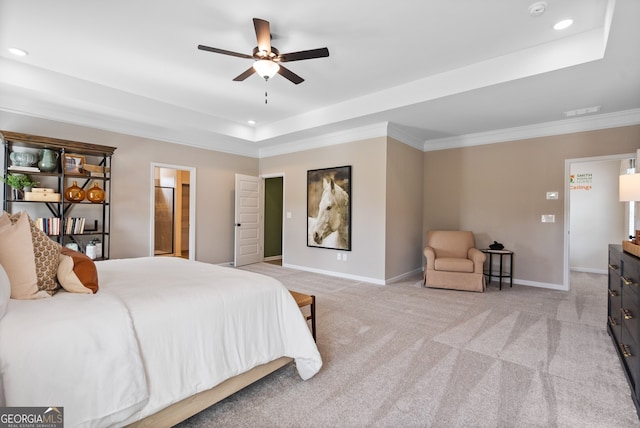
368 160
403 244
498 191
131 185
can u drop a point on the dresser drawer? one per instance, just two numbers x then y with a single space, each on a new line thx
614 259
614 316
629 352
629 318
614 291
630 273
615 284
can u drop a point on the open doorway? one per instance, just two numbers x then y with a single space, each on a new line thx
173 211
594 217
273 218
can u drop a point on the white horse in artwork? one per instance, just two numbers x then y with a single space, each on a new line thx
333 215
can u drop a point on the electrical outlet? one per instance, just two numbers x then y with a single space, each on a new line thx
339 256
548 218
344 257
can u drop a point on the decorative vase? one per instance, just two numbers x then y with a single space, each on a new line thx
74 193
48 160
95 194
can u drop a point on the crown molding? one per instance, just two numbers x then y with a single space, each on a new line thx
405 137
330 139
568 126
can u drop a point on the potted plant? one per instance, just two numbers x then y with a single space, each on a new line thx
19 183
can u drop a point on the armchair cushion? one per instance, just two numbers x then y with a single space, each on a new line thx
453 264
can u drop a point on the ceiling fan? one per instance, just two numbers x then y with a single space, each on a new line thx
267 58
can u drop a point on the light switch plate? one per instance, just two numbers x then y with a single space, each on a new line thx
548 218
288 214
552 195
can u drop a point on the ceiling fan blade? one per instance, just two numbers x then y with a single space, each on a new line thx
290 75
244 75
263 34
222 51
310 54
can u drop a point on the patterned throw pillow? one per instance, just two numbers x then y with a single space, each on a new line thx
47 254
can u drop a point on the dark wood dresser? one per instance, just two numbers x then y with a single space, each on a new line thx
624 314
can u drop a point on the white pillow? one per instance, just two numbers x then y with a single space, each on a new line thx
5 292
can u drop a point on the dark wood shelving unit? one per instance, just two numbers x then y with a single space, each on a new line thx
94 154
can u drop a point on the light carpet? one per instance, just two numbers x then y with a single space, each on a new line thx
405 356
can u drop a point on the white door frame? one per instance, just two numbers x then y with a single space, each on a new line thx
567 203
192 206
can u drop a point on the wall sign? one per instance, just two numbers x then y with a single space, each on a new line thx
581 181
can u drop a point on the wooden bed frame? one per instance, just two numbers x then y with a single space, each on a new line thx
190 406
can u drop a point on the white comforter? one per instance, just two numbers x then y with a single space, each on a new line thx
158 331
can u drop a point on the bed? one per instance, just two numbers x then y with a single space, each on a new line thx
162 339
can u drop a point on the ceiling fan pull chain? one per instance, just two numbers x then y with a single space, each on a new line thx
266 80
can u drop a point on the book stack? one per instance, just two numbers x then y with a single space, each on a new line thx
24 168
50 226
74 225
42 194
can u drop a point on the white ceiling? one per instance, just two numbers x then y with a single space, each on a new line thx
435 73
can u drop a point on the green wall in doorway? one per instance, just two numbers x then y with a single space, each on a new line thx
273 217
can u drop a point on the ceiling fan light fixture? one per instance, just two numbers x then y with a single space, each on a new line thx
266 68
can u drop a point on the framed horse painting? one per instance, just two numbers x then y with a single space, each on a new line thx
329 208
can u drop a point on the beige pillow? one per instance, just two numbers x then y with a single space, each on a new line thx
5 292
47 254
17 257
77 273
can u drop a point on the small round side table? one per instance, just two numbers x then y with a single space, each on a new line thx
490 273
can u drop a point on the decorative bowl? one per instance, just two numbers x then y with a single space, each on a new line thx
23 158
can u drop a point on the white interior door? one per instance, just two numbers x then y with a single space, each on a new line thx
247 220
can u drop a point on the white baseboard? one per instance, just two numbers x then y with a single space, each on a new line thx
589 270
397 278
374 281
558 287
403 276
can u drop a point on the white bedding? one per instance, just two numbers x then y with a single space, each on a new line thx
77 351
158 331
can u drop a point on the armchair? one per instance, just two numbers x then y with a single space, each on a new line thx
453 261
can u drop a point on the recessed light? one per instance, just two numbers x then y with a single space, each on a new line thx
251 122
18 52
565 23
